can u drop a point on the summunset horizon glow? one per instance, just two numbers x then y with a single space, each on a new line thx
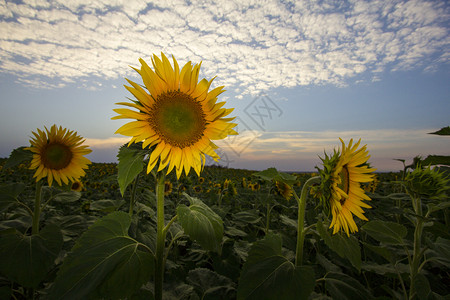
300 75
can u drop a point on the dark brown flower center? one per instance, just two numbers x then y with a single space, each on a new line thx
76 186
167 188
178 119
56 156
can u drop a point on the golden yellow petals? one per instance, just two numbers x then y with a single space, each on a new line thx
176 115
58 155
347 197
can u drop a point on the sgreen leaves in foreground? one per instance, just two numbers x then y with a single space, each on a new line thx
201 224
9 193
390 233
131 163
27 259
346 247
343 287
18 156
104 263
269 275
209 285
273 174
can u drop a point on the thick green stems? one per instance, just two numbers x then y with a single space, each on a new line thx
133 195
301 218
220 198
160 236
417 255
405 294
268 210
169 224
267 217
37 208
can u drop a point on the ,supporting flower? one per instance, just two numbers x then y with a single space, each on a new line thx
176 114
37 209
160 236
58 154
426 183
301 217
177 118
340 186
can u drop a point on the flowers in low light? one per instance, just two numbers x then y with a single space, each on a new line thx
284 190
340 188
168 186
197 189
254 186
58 154
244 182
77 186
226 184
427 182
176 115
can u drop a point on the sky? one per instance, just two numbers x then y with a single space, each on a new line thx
300 74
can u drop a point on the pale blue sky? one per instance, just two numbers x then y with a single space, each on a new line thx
300 74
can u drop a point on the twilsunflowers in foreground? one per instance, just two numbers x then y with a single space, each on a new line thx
176 114
341 191
58 154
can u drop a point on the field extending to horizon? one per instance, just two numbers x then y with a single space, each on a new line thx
221 150
254 228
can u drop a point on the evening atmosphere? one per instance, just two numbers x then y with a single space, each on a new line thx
299 74
224 149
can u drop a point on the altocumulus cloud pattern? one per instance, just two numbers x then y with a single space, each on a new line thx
250 45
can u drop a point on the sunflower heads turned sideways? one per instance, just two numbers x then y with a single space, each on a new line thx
176 115
427 183
340 189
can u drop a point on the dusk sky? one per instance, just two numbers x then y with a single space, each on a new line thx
300 74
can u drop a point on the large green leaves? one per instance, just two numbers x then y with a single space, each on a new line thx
422 287
27 259
67 197
269 275
347 247
209 285
201 223
386 232
440 252
131 163
18 156
343 287
72 225
246 217
9 193
105 262
435 207
273 174
106 205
